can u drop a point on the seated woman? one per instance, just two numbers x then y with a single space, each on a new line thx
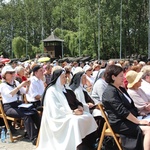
89 78
11 90
64 123
20 74
99 87
141 100
122 114
77 85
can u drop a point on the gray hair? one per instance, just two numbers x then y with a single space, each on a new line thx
18 69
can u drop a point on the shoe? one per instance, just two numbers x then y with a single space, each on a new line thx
12 129
26 135
34 141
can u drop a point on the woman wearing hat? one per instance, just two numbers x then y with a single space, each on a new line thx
11 91
89 78
64 123
141 100
122 114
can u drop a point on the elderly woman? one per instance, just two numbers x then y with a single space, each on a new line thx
141 101
122 114
20 74
11 90
64 123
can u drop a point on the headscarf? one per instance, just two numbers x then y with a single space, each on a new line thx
76 80
56 74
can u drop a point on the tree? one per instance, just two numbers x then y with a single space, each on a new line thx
19 45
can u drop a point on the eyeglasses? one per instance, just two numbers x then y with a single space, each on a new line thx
90 70
10 72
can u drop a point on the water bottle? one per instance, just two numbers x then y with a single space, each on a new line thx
8 136
3 135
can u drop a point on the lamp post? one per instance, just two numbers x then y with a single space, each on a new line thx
98 29
79 32
62 48
149 31
26 32
121 29
42 32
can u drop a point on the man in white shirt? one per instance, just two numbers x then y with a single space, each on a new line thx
36 88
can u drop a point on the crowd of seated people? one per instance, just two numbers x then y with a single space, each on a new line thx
77 91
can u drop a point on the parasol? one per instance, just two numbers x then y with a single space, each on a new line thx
4 60
43 59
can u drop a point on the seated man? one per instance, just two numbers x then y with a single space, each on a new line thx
36 88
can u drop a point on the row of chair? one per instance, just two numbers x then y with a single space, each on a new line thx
107 130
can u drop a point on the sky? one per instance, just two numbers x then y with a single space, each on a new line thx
7 1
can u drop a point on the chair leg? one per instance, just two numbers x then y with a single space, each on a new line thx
37 142
102 137
8 128
117 142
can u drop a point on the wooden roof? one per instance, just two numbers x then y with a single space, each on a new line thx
53 38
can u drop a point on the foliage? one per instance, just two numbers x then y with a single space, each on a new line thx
18 45
78 23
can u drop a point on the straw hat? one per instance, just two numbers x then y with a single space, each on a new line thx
96 65
133 77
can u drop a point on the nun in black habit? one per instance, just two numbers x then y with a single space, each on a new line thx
77 85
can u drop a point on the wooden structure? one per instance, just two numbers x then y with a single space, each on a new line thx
107 130
6 118
53 46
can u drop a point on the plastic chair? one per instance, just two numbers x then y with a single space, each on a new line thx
107 130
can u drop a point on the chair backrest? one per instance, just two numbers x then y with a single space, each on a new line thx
102 109
108 128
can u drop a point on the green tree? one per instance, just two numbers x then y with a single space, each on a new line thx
19 47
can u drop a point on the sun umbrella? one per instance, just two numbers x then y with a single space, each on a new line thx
43 59
4 60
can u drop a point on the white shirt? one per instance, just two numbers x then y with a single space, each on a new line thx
145 86
36 88
5 91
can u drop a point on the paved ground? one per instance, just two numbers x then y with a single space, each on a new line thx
22 144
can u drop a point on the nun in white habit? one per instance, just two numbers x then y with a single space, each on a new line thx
61 127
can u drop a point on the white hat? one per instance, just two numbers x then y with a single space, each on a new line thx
6 69
87 67
78 69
